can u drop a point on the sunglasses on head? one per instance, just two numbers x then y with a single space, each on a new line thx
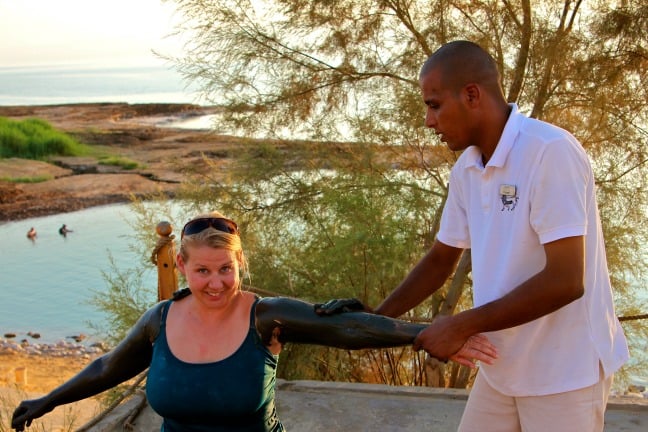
199 225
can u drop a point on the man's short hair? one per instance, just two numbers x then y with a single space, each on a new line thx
462 62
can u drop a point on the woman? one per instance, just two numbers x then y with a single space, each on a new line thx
212 350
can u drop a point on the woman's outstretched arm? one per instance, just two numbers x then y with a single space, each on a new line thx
291 320
131 356
297 322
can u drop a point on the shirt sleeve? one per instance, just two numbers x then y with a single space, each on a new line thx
559 191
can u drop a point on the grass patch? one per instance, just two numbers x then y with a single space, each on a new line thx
124 163
34 138
37 179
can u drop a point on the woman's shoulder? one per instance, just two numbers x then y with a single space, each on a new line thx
273 307
151 320
250 296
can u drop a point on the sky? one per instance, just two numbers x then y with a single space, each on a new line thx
119 32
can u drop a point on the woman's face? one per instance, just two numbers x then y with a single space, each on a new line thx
212 275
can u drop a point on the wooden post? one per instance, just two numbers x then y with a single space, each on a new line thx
164 257
21 376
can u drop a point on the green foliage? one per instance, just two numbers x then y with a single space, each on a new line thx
124 163
36 179
125 300
35 139
348 71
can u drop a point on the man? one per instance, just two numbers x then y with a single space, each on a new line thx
522 198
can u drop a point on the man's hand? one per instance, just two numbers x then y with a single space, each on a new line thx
444 341
337 306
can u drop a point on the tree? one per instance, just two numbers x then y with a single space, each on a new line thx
363 207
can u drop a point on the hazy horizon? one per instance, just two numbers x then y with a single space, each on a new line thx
122 32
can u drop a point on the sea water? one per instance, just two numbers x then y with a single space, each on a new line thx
87 83
46 284
69 84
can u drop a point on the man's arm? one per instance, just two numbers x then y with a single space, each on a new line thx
422 281
559 283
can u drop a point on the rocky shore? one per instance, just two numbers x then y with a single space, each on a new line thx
165 156
62 348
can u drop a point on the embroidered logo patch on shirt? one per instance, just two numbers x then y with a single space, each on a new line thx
508 195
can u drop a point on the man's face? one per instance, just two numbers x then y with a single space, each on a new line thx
446 112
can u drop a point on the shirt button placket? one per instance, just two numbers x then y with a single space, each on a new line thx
485 190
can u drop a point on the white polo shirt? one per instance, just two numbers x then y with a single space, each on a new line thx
537 187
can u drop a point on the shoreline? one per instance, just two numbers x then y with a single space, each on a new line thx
166 156
61 348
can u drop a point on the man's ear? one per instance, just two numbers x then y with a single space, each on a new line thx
472 94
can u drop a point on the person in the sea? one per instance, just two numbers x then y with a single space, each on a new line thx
64 230
31 234
212 350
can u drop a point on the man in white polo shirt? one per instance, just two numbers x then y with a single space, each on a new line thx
522 198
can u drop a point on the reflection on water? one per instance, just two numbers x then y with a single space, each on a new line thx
45 283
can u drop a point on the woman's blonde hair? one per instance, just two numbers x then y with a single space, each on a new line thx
214 238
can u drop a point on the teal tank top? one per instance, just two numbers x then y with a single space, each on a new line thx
235 394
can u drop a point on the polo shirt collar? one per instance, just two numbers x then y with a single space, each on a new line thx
508 138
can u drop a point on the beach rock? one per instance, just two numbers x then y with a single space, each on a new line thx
12 347
78 338
32 350
61 348
100 346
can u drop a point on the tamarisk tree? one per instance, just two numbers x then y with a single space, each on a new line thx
343 186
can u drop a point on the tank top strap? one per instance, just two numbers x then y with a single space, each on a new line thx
180 294
253 312
253 330
165 311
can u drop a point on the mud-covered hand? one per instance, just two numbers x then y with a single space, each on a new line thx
338 306
27 411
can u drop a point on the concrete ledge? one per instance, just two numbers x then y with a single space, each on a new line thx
320 406
333 406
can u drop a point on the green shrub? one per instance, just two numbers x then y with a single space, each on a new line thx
124 163
36 139
37 179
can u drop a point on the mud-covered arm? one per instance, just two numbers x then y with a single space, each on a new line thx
298 323
130 357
